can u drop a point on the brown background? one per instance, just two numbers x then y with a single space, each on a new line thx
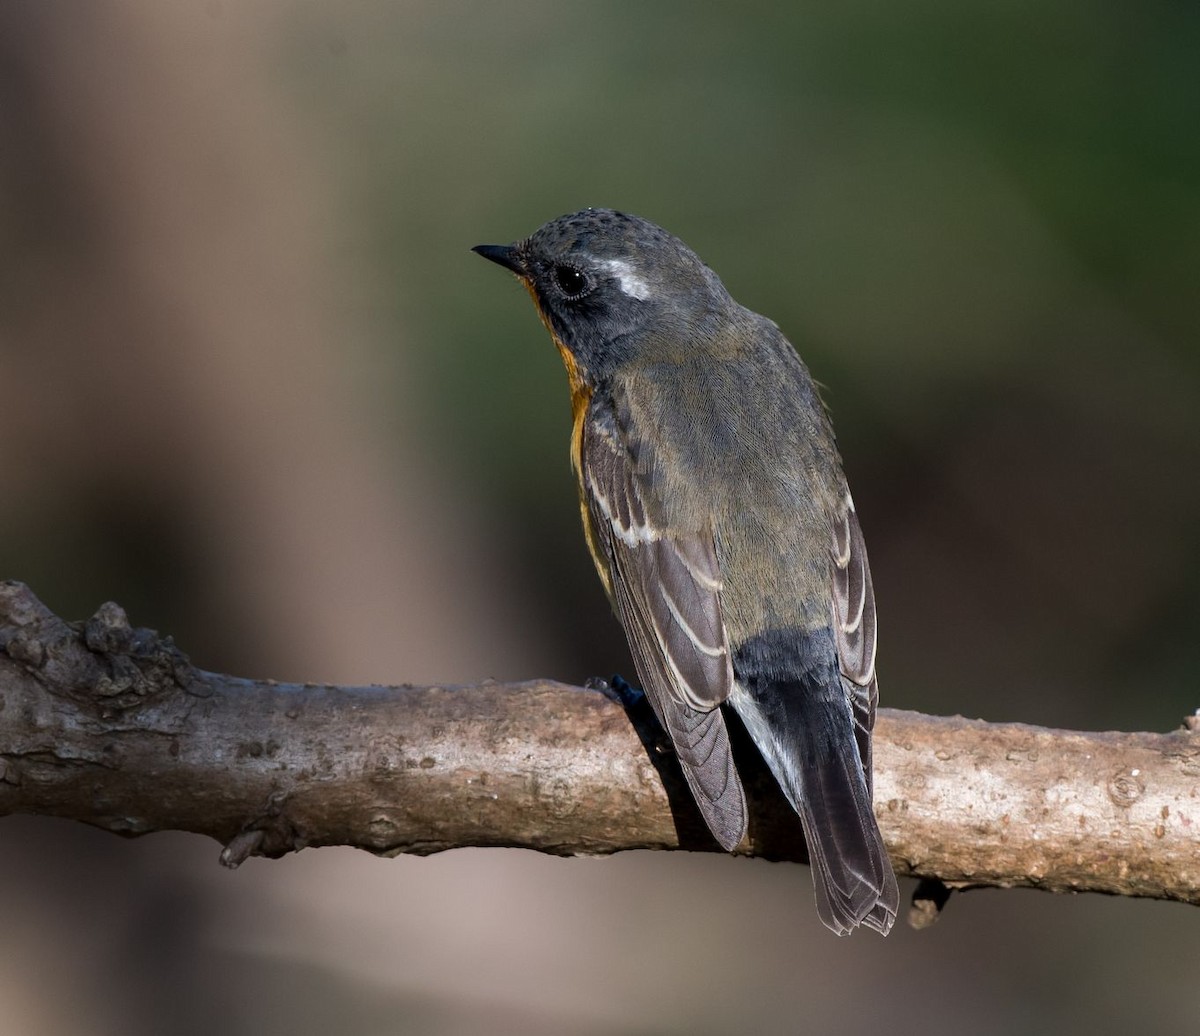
256 389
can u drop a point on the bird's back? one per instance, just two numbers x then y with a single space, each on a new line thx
745 452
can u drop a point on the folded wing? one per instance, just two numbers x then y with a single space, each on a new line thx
666 588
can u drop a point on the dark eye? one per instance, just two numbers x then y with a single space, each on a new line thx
570 281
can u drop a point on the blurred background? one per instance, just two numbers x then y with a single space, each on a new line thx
256 389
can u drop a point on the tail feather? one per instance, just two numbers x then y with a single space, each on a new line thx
805 731
852 875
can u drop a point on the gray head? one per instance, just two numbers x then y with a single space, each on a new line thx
611 286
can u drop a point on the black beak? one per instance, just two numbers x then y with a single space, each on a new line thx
508 256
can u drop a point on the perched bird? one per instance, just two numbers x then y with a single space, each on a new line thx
717 513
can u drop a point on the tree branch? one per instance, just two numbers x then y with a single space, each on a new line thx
111 725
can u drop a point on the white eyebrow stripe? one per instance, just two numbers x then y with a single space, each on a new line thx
629 281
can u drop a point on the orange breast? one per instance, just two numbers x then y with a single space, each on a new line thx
581 396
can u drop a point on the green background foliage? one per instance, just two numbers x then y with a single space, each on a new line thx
258 390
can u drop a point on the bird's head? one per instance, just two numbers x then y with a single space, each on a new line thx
612 287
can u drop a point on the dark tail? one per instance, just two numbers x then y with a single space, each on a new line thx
854 880
805 731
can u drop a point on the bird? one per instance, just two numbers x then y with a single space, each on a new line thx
719 518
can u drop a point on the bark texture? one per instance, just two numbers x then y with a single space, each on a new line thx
111 725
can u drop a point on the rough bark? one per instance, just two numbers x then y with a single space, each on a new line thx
111 725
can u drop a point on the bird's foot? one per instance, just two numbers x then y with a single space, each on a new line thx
635 703
618 689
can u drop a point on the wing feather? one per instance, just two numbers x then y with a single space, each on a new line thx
853 597
855 626
666 588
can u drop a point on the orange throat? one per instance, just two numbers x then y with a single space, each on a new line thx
581 396
581 393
